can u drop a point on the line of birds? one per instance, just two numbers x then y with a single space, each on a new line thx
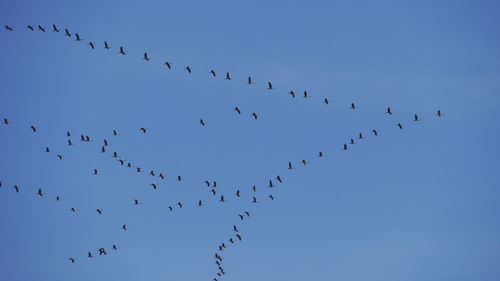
169 65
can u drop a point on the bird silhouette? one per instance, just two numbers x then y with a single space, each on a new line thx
269 86
292 93
228 76
72 260
237 110
91 44
389 111
254 115
78 37
99 211
326 101
40 192
124 227
353 106
375 132
439 113
146 57
415 117
202 122
320 154
54 28
33 128
400 126
9 28
30 27
306 95
188 68
106 45
249 80
168 64
122 51
67 33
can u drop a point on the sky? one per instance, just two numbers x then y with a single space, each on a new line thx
419 203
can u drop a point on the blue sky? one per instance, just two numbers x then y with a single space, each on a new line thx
416 204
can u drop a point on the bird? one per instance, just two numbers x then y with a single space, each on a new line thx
179 204
58 198
353 106
115 154
214 184
40 192
91 44
254 115
271 196
241 216
170 208
87 138
207 183
202 122
279 178
30 27
68 134
114 247
238 236
269 86
439 113
254 188
237 109
67 33
6 121
78 37
73 209
188 68
70 143
103 149
249 80
292 93
271 183
124 227
47 149
213 191
320 154
235 229
99 211
122 50
238 194
143 130
221 199
254 199
146 56
290 166
179 178
345 146
152 173
360 136
213 73
415 117
326 101
247 213
121 161
162 176
352 141
389 111
54 28
400 126
154 186
17 188
115 133
136 202
138 169
102 251
168 64
306 95
72 260
228 76
106 142
96 172
89 255
106 45
33 128
200 203
9 28
304 162
375 132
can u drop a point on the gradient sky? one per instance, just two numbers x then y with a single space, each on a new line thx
420 203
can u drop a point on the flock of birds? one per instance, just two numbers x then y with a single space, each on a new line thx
250 194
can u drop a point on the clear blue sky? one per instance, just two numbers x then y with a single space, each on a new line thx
416 204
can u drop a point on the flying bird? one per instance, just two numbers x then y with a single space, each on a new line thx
30 27
91 44
290 166
326 101
249 80
99 211
389 111
271 196
72 260
292 93
345 147
78 37
9 28
41 28
40 192
106 45
320 154
146 57
237 110
122 51
202 122
188 68
400 126
33 128
143 130
213 73
415 117
17 188
124 227
269 86
306 95
54 28
439 113
375 132
360 136
67 33
353 106
168 64
254 115
228 76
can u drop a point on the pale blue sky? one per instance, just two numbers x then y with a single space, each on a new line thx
416 204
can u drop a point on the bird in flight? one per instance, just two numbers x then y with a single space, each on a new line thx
124 227
89 255
254 115
54 28
326 101
360 136
320 154
249 80
415 117
290 166
17 188
213 73
168 64
72 260
375 132
228 76
400 126
99 211
345 147
202 122
122 51
143 130
67 33
33 128
146 57
188 68
41 28
389 111
269 86
9 28
91 44
292 93
78 37
30 27
439 113
306 95
106 45
6 121
353 106
237 109
40 192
